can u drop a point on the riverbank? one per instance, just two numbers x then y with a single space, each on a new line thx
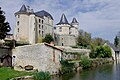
84 63
102 72
6 73
72 66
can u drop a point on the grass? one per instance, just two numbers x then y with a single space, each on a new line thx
7 73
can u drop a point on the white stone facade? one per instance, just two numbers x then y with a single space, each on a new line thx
32 25
65 33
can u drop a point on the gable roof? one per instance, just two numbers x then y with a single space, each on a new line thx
63 20
43 13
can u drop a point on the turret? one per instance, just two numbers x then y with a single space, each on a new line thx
63 20
63 26
75 23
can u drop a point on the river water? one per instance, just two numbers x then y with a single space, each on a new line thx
104 72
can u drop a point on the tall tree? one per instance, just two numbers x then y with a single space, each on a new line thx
84 38
4 26
116 41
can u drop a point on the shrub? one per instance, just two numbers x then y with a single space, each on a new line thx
103 52
66 67
42 76
48 38
85 62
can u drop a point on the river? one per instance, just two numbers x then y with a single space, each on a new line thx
104 72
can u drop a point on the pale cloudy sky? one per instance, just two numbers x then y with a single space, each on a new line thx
101 18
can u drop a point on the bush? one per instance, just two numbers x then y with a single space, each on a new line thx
100 52
103 52
85 62
48 38
66 67
42 76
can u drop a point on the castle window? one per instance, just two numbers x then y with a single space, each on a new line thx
39 26
42 26
42 33
18 23
42 21
60 29
18 29
62 44
39 31
39 20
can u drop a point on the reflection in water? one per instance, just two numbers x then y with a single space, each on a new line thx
105 72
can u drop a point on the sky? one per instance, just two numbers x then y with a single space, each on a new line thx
101 18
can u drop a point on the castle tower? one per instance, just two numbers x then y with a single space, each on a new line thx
25 25
63 36
63 26
74 27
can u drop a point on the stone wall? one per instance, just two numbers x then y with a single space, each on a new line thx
40 56
65 40
5 51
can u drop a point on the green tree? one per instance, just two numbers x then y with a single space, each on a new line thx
84 38
4 26
103 52
48 38
116 41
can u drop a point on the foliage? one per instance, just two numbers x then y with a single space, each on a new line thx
66 67
7 73
116 41
92 53
9 43
4 26
48 38
84 38
42 76
85 62
103 52
98 41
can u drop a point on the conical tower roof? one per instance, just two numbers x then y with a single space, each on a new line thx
74 20
63 20
23 9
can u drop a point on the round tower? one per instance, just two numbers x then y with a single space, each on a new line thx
75 23
63 26
74 27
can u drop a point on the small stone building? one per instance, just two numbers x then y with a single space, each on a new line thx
43 57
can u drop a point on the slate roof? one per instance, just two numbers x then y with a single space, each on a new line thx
23 9
63 20
43 13
74 20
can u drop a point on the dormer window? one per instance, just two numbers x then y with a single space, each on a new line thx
60 29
